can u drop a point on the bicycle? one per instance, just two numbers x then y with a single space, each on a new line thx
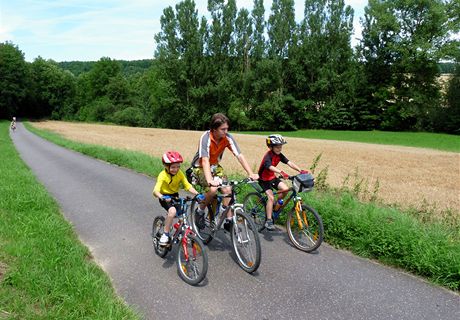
303 224
244 236
191 258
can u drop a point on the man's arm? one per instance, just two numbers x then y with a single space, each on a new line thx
246 167
207 172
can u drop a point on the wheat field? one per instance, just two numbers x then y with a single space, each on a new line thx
409 177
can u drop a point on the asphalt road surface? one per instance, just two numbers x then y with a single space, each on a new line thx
112 209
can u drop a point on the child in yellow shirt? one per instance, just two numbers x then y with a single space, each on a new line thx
168 184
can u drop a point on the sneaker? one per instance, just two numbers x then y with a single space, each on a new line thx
228 225
164 240
269 225
199 218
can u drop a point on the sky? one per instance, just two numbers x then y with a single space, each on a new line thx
83 30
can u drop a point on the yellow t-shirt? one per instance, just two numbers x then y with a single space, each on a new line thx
168 184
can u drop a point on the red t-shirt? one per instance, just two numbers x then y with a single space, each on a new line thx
270 159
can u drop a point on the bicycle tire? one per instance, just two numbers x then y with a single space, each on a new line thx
254 206
194 270
157 231
309 236
245 242
208 232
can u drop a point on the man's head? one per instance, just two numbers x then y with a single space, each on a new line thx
219 125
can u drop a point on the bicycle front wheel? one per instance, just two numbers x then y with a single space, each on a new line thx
157 231
207 233
245 241
254 206
305 230
192 260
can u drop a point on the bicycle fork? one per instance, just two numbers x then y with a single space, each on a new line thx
184 242
235 225
298 210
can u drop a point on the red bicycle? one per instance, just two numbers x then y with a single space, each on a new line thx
191 257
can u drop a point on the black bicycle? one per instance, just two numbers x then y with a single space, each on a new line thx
191 258
303 224
244 236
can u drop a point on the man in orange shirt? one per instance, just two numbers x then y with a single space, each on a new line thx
210 174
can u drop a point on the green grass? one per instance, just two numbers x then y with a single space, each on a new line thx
437 141
389 235
45 272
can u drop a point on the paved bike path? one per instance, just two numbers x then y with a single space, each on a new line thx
112 209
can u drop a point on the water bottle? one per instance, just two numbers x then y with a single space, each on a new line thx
277 207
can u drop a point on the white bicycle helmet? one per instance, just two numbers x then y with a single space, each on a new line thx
275 140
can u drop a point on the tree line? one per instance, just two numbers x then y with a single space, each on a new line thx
265 74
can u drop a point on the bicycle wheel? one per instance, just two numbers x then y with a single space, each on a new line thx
192 260
306 231
157 231
254 206
207 233
246 242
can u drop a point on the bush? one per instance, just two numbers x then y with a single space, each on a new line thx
130 117
98 110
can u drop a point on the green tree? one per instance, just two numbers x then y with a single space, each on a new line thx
448 118
100 76
13 80
281 28
243 42
403 42
258 37
52 90
322 68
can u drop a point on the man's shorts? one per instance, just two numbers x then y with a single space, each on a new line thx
270 184
217 172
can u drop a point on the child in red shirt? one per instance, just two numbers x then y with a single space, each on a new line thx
268 179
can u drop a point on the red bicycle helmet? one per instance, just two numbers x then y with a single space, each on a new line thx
172 157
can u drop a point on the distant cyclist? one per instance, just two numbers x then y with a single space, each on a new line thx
267 178
168 184
13 124
206 162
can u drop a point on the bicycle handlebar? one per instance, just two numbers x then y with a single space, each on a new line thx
185 199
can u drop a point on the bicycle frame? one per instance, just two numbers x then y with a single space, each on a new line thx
219 197
291 195
191 248
181 227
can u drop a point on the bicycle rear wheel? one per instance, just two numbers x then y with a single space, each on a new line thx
246 242
192 260
254 206
306 231
157 231
207 233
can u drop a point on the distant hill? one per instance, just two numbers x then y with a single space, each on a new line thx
128 67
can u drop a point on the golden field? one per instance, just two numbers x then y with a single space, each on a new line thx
407 176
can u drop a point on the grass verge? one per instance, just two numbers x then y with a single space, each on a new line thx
437 141
45 272
392 236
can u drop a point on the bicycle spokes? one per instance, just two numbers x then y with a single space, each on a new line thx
305 228
192 260
246 243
